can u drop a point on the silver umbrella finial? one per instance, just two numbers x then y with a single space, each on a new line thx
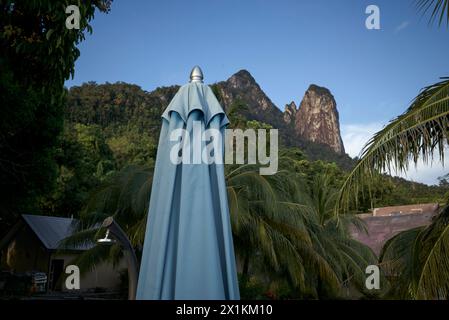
196 75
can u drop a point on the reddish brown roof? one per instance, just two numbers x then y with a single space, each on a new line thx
413 208
384 223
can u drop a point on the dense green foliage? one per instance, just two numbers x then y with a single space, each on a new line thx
84 160
127 119
285 235
287 218
37 55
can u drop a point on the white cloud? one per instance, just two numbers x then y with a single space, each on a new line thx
427 173
355 136
402 26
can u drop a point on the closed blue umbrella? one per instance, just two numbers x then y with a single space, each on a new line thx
188 251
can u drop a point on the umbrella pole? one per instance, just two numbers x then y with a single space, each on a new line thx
130 255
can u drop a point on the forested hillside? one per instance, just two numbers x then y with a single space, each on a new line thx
111 126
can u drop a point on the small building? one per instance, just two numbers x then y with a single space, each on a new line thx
384 223
32 245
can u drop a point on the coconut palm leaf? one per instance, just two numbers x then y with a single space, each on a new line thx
125 197
281 228
343 256
414 135
433 279
418 259
91 259
439 9
81 239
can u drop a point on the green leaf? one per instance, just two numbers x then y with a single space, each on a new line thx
49 33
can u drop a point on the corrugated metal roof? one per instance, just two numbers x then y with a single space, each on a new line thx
52 230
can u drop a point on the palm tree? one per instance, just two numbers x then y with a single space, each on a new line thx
271 233
126 198
416 134
281 230
417 259
346 257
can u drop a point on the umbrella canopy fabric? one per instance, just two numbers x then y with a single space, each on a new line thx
188 251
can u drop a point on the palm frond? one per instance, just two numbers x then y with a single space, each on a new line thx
283 228
439 9
90 259
414 135
81 239
433 280
418 260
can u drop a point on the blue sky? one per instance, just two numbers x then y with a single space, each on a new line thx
285 44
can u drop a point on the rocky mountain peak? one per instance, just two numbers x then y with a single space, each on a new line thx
242 86
319 90
290 112
317 118
242 79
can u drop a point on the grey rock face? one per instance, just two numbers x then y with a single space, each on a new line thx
317 119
